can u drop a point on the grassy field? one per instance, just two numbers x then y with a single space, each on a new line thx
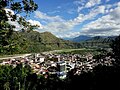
63 50
82 51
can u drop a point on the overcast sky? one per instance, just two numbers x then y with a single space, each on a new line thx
71 18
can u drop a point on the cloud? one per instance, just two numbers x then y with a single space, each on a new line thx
118 4
92 3
71 11
9 11
56 27
106 25
54 23
80 8
77 2
88 4
107 0
53 12
16 24
59 25
59 7
101 9
34 22
19 27
44 16
80 2
93 13
66 25
115 13
69 35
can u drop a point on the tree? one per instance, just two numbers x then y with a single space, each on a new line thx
9 10
116 49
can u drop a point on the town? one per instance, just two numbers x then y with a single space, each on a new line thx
58 64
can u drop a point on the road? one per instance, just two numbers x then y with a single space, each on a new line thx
14 56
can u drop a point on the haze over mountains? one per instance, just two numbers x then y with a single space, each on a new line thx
79 38
85 38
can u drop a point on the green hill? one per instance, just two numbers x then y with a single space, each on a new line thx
37 42
98 42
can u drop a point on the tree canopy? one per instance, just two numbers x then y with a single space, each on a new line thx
116 49
9 11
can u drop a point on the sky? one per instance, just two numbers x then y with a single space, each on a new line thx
71 18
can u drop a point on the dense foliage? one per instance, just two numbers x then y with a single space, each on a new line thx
46 41
101 78
98 42
116 49
22 78
9 10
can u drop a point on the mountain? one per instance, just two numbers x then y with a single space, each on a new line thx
84 38
34 41
103 39
70 39
79 38
98 41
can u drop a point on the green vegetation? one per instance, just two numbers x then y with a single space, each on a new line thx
98 42
38 42
116 50
8 44
82 51
35 42
22 78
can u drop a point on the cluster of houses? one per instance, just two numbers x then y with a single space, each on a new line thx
58 64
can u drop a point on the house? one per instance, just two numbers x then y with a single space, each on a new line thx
41 59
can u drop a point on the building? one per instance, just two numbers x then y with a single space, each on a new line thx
61 65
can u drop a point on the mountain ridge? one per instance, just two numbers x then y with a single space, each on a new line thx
34 41
83 38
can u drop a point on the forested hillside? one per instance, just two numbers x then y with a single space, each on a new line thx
34 41
98 42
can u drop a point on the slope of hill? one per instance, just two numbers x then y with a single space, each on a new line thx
80 38
36 42
84 38
98 41
103 39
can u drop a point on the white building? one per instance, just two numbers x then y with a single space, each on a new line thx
41 59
